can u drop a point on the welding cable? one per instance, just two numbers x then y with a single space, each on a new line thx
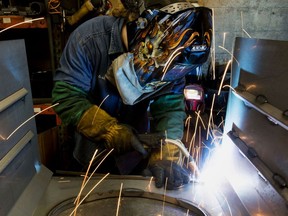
191 162
182 148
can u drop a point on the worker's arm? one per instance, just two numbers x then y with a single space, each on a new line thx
168 114
72 101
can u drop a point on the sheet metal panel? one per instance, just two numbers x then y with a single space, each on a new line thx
256 121
19 155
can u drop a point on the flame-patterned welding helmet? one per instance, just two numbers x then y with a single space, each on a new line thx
169 42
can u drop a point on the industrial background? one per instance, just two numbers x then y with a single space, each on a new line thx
256 19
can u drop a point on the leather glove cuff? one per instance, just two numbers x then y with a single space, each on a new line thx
94 123
97 125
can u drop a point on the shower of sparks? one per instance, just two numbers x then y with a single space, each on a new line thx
223 77
99 108
204 146
29 120
76 207
86 182
84 179
119 199
17 24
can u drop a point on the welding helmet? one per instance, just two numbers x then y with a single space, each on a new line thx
168 40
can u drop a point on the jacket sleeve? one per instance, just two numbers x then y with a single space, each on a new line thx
168 114
72 101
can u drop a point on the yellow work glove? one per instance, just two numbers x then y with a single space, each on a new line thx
97 125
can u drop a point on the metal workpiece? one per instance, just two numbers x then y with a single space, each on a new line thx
19 156
138 196
256 127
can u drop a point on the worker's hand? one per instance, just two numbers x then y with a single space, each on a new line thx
152 140
123 139
99 126
169 174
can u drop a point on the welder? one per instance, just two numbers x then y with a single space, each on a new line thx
120 85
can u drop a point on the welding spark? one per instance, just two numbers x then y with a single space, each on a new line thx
243 25
119 199
149 184
198 115
99 108
85 177
224 37
194 135
229 87
213 45
17 24
250 87
246 33
169 61
210 116
29 120
222 122
230 54
76 207
86 182
223 77
187 124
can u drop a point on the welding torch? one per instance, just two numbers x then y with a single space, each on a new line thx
191 165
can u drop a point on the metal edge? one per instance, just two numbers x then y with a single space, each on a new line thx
6 160
10 100
29 199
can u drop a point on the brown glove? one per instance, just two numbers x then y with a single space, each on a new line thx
98 125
